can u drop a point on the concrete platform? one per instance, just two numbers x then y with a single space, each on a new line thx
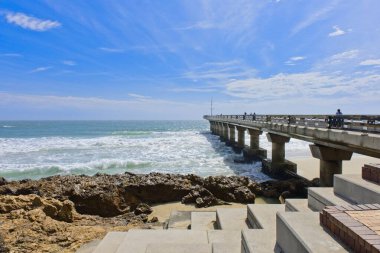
356 189
110 242
258 240
300 232
178 248
320 197
263 216
179 220
88 247
226 247
137 240
232 218
203 220
297 205
223 236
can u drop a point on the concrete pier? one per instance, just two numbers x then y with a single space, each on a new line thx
225 131
232 140
241 137
330 162
254 151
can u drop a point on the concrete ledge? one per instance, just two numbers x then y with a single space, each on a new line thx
222 236
258 241
232 218
110 242
356 189
297 205
320 197
226 247
263 216
300 232
137 239
178 248
203 220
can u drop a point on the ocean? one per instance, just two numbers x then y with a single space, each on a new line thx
36 149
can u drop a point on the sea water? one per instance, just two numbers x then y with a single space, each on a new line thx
36 149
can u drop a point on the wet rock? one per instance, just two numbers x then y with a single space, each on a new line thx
3 181
143 209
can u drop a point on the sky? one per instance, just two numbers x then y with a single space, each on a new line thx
141 59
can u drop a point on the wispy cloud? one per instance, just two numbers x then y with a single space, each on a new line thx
294 59
11 55
112 50
29 22
351 54
315 17
138 96
201 25
195 89
40 69
69 63
337 32
308 84
370 62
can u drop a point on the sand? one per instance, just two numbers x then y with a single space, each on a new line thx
309 167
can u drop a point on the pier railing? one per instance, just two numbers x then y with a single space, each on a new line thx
364 123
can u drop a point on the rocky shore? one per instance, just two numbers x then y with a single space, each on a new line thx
59 213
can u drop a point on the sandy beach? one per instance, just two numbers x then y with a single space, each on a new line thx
309 167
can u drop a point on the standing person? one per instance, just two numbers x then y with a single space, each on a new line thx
339 118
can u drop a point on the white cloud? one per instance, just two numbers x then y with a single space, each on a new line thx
29 22
200 90
11 55
371 62
294 59
112 50
69 63
202 25
337 32
133 95
306 85
40 69
315 17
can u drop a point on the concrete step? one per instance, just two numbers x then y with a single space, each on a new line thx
137 240
226 247
232 218
88 247
179 220
258 240
222 236
203 220
319 197
296 205
110 242
300 232
263 216
178 248
356 189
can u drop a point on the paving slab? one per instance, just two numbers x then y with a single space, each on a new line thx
179 220
263 216
203 220
356 189
300 232
232 218
297 205
222 236
320 197
110 242
259 240
137 239
178 248
220 247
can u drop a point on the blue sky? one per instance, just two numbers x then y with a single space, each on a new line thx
166 59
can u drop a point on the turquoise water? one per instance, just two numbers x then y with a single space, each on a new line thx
35 149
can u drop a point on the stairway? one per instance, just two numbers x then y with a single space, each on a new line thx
292 227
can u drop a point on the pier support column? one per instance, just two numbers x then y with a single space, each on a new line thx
254 151
225 131
232 134
278 147
278 165
218 130
212 127
330 162
241 137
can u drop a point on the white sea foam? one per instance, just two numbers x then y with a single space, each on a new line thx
7 126
168 152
